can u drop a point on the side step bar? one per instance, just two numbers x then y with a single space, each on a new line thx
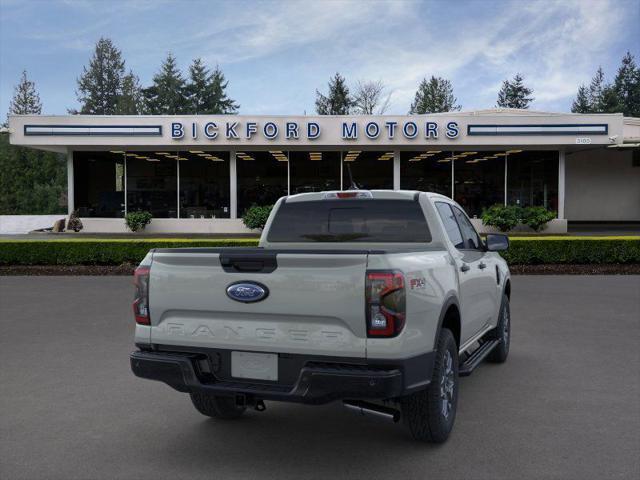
468 366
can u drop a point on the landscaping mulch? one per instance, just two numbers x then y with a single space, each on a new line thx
565 269
50 270
127 269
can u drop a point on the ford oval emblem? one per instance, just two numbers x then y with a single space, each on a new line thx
247 292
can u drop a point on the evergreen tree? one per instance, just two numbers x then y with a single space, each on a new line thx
25 99
596 91
31 181
581 104
433 96
627 86
130 101
219 102
100 85
196 89
167 95
338 101
206 92
514 94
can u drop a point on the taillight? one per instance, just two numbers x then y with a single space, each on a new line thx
386 303
141 298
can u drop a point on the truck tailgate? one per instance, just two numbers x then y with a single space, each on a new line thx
315 303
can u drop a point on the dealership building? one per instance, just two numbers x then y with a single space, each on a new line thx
200 173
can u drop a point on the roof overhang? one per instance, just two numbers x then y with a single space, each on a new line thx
236 132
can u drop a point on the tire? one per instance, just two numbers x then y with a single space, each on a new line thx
425 413
502 332
217 406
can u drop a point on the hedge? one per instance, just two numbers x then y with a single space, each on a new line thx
97 252
572 250
523 250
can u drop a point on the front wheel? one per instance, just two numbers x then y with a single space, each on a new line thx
216 406
429 414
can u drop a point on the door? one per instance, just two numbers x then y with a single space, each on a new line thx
477 289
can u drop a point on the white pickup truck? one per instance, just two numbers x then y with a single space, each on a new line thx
380 299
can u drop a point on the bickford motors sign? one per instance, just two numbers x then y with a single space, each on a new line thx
295 130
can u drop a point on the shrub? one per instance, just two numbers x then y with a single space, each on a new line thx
501 217
137 220
256 216
537 217
507 217
74 223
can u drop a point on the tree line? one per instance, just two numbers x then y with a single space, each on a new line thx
33 181
435 95
106 88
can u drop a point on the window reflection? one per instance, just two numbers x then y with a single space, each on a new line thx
314 171
532 179
479 180
204 184
152 183
368 170
99 184
426 171
262 178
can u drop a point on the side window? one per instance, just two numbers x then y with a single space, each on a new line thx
450 224
471 238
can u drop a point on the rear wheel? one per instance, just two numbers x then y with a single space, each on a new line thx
429 414
216 406
502 332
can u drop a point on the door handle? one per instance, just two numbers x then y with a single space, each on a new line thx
482 266
465 267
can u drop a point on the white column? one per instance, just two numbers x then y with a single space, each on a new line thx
233 185
396 169
341 170
453 177
506 167
70 186
561 176
125 186
177 188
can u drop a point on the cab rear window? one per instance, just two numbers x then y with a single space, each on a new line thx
351 220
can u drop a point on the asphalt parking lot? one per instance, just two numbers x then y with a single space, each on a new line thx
565 405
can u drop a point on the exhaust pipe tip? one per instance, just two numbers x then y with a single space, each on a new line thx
372 410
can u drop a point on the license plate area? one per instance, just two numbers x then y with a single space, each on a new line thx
254 366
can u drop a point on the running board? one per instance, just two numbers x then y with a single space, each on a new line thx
468 366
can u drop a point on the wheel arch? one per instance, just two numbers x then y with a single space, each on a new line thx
507 288
450 318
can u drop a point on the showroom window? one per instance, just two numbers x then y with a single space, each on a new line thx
368 170
426 171
314 171
478 180
204 184
99 184
532 178
152 184
262 178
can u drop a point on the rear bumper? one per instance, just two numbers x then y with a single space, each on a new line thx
317 382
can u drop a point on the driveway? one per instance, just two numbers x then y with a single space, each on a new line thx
565 405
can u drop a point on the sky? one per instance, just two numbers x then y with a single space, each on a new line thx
275 54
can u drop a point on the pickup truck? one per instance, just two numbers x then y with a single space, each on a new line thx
380 299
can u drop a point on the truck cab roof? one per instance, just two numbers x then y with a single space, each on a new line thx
375 194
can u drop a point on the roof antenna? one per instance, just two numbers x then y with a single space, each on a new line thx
352 185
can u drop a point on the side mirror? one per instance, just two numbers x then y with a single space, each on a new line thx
496 242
